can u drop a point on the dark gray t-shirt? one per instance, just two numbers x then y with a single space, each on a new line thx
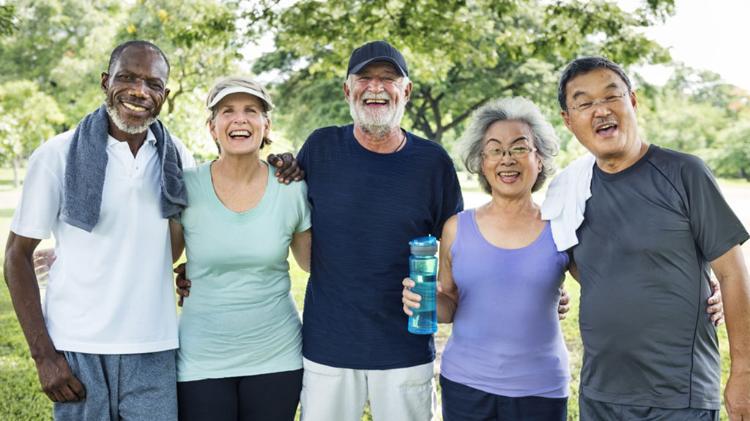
648 236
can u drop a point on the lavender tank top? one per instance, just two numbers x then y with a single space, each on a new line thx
506 338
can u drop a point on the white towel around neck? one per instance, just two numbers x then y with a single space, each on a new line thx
565 201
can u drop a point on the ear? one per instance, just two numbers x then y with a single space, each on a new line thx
407 91
633 100
105 81
211 128
346 90
268 126
566 119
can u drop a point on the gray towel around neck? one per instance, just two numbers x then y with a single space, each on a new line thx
86 168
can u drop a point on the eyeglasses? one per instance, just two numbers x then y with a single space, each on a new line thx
494 154
585 105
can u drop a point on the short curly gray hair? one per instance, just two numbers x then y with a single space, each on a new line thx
545 139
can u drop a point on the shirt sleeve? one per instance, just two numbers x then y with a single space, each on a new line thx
41 198
450 200
714 225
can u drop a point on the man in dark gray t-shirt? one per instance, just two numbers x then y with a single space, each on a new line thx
654 227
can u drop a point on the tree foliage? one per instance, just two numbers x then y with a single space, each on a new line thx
696 112
460 54
201 41
7 26
27 118
199 37
64 45
61 45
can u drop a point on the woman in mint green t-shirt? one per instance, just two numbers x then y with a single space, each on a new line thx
240 342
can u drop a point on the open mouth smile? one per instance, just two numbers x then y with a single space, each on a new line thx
606 129
239 134
133 107
509 177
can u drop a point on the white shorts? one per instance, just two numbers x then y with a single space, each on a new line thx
399 394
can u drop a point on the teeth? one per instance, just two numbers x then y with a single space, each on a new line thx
375 101
239 133
133 107
508 173
606 126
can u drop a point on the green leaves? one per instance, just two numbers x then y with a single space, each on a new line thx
460 53
27 117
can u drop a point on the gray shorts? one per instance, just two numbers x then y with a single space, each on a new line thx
591 410
125 386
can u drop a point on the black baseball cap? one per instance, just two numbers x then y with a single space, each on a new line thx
376 51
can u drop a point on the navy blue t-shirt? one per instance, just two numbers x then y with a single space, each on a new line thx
366 207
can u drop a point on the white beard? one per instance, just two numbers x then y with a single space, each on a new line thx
122 125
378 123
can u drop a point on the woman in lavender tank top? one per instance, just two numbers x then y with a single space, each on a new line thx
500 274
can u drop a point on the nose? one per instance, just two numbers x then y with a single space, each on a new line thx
506 158
375 85
601 109
242 118
138 88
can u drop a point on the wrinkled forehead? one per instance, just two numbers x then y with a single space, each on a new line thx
508 132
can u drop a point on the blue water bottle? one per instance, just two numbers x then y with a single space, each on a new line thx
423 271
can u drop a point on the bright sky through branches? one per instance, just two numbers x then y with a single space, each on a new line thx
704 35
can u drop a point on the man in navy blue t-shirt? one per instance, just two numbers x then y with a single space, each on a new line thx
373 187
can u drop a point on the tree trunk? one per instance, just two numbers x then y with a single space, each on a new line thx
438 137
16 167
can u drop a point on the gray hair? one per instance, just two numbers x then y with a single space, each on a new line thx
545 139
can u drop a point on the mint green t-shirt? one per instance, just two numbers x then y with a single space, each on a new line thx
240 319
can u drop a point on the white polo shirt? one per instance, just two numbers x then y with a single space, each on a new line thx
110 291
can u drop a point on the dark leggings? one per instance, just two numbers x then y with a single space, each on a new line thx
272 396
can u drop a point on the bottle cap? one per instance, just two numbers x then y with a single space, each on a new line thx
423 246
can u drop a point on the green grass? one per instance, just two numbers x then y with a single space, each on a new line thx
21 398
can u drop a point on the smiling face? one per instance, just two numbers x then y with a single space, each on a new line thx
136 89
510 174
240 124
377 97
606 125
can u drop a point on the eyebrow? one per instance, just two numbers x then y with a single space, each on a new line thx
518 139
577 94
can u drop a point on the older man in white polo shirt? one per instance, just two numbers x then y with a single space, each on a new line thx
104 342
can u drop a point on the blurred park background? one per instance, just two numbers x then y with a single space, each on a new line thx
460 54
